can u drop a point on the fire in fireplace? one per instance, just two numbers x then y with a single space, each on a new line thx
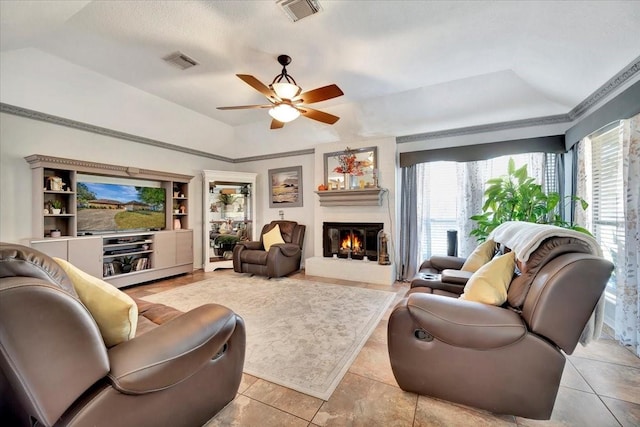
351 239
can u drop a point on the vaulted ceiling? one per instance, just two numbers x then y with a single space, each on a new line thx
405 67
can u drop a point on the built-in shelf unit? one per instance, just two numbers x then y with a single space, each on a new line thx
121 258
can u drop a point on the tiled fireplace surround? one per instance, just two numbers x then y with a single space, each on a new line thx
316 264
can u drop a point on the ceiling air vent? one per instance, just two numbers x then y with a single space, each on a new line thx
298 9
180 60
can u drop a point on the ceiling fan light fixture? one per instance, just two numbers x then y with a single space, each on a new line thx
284 113
286 90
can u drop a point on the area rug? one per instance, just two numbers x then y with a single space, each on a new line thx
301 334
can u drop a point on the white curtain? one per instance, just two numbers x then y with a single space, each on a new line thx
582 217
627 261
471 179
627 325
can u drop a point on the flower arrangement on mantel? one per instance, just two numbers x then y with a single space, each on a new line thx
348 164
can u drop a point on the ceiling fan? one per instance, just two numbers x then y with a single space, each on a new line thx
286 101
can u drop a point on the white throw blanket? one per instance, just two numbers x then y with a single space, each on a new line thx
524 237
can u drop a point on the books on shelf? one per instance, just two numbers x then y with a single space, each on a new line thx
140 264
115 267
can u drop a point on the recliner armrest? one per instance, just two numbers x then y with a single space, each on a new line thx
457 277
440 263
252 245
171 352
465 323
287 249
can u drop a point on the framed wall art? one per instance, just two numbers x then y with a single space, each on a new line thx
285 187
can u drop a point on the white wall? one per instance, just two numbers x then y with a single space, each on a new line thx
21 137
303 215
35 80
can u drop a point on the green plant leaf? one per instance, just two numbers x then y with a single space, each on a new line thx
517 197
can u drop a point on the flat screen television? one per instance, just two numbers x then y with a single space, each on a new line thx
111 204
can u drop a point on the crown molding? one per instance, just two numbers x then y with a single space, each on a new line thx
275 155
46 161
588 104
57 120
606 89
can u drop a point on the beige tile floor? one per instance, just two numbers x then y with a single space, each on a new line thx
600 387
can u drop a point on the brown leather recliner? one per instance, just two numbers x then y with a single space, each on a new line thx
508 359
280 260
56 370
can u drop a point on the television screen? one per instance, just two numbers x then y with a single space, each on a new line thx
107 204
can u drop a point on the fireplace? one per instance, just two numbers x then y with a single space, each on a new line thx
351 239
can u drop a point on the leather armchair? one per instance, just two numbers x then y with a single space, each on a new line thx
280 260
56 370
509 359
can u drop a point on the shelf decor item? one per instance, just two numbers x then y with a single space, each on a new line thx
55 183
56 207
383 252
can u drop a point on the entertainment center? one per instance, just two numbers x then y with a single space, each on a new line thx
139 235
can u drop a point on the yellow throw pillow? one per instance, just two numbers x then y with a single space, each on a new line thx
490 283
272 237
480 256
114 311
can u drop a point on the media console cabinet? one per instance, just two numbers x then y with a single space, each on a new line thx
150 255
122 258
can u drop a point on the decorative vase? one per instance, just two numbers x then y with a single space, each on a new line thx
177 225
354 182
345 181
56 211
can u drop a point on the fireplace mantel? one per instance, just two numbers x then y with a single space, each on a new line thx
356 197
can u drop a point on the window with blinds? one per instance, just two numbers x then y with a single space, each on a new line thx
607 193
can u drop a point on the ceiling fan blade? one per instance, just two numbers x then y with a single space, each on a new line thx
244 107
320 94
318 115
275 124
257 85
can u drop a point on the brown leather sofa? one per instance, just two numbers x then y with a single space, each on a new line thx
179 370
280 260
509 359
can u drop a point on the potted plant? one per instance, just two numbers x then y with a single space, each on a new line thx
225 243
226 199
126 264
56 207
516 197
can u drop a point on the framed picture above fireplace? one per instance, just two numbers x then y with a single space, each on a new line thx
285 187
351 169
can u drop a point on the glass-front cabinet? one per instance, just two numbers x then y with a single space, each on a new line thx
229 206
